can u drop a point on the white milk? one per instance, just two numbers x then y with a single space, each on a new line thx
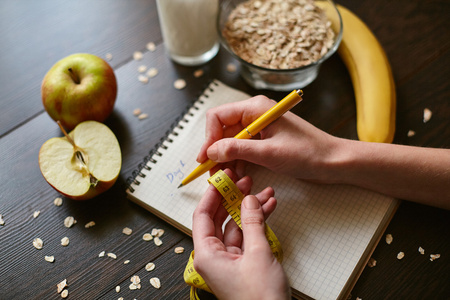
189 29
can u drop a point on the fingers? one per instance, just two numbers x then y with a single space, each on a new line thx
252 219
227 120
229 149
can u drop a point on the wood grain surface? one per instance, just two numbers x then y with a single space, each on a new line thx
36 34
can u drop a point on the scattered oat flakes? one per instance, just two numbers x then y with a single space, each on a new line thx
89 224
179 84
64 294
426 115
126 262
147 237
143 78
157 232
127 231
135 280
137 55
421 250
101 254
389 238
65 241
58 201
157 241
179 250
2 222
69 221
36 214
154 281
198 73
231 68
152 72
433 257
137 111
150 266
151 47
117 288
108 56
372 263
142 68
143 116
411 133
60 286
49 258
38 243
400 255
112 255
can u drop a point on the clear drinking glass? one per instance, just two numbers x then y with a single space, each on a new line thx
189 29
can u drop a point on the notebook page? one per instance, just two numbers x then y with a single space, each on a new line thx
324 229
158 190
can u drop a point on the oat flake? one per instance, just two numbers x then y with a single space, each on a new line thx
143 116
126 262
38 243
426 115
136 112
411 133
112 255
142 69
60 286
421 250
231 68
64 294
150 267
152 72
127 231
89 224
36 214
147 237
371 263
433 257
143 78
400 255
154 281
179 84
137 55
58 201
157 241
65 241
2 222
151 47
69 221
101 254
198 73
118 288
108 56
49 258
179 250
389 238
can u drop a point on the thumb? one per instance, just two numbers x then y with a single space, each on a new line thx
230 149
252 220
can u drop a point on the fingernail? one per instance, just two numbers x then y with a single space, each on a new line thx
213 153
251 203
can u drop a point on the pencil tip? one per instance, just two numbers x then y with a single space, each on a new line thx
180 185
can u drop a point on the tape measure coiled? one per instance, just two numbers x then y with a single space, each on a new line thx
232 199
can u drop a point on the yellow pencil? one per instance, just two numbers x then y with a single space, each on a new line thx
251 130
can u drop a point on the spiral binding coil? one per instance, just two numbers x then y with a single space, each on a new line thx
151 157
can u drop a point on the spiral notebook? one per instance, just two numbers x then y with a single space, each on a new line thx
327 232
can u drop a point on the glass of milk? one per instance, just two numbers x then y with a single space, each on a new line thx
189 29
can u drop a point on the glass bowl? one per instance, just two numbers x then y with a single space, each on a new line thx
278 79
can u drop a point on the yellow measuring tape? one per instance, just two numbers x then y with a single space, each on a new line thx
232 199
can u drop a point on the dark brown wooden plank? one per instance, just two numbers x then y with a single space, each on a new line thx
35 35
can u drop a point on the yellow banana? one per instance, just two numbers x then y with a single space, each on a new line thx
371 76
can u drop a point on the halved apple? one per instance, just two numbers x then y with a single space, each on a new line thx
83 163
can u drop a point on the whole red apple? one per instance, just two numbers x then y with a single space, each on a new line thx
78 88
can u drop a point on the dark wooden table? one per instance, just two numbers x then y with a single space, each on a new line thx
35 34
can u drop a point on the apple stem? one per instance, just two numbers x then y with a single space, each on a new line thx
74 76
65 134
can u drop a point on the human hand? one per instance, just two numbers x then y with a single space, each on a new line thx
289 145
237 264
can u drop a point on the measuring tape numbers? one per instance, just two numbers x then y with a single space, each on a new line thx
232 199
